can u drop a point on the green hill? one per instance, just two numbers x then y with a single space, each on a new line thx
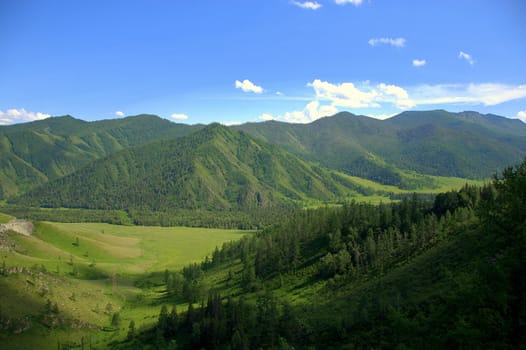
214 168
468 144
33 153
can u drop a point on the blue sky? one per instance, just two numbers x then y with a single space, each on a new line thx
252 60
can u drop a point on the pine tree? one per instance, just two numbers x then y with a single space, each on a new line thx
131 329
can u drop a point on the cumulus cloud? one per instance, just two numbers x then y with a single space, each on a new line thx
266 116
395 95
344 95
311 5
248 86
179 116
349 95
397 42
366 95
12 116
343 2
467 57
521 115
119 114
312 111
487 94
419 63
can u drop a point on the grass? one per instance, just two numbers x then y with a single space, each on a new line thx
83 277
440 184
4 218
126 250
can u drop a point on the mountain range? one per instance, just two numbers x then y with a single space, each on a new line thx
148 162
467 144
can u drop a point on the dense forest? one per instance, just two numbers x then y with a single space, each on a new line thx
447 273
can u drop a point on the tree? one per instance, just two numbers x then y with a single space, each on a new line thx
166 277
504 215
131 329
239 341
172 323
115 319
163 319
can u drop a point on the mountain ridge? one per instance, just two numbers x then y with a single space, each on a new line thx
213 168
36 152
466 144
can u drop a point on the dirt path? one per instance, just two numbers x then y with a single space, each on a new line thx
24 227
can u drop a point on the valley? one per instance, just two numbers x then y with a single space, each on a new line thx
155 235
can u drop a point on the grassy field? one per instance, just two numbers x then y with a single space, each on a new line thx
91 271
4 218
440 184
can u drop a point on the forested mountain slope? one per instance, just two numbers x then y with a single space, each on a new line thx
392 151
33 153
412 275
214 168
467 144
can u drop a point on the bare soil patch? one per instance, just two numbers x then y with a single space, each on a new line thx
24 227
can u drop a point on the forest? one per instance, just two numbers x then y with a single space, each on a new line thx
447 273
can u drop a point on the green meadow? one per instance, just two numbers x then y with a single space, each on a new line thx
91 272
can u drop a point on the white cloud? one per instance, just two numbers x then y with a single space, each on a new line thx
419 63
349 95
311 5
467 57
366 95
12 116
119 114
312 111
279 93
397 42
521 115
231 122
343 2
343 95
179 116
248 86
382 116
266 116
487 94
395 95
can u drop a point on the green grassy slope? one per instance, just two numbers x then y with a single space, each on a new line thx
78 278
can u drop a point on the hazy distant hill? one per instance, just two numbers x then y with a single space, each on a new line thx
467 144
213 168
32 153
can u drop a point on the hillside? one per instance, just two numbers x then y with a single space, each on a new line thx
33 153
416 274
214 168
412 275
468 144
